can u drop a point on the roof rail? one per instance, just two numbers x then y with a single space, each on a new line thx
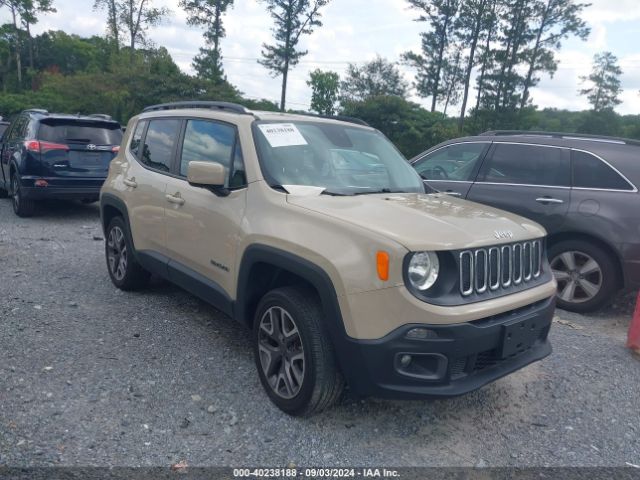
225 106
568 136
36 110
101 116
342 118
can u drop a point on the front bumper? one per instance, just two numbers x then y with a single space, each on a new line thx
453 360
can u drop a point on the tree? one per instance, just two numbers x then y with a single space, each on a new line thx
113 18
292 18
440 15
374 78
605 79
486 57
474 21
452 76
208 14
505 80
24 13
410 127
556 20
325 87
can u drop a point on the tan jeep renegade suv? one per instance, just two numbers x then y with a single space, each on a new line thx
318 235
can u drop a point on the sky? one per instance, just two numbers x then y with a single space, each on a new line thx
355 31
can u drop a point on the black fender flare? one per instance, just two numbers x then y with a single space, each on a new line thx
287 261
110 200
310 272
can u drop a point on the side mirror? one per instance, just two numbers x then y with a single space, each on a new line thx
209 175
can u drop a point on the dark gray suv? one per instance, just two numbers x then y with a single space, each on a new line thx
582 189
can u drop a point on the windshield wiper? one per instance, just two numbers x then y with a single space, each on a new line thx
382 190
334 194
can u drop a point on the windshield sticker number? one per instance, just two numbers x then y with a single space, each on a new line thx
282 134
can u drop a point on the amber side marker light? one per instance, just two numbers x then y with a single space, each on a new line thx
382 260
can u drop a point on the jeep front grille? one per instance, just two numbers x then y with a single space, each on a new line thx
497 268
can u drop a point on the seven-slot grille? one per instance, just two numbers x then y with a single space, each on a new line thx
501 267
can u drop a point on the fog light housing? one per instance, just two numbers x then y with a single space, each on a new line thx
420 334
405 360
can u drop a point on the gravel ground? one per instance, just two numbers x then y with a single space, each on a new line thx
93 376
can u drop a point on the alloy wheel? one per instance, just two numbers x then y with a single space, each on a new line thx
281 352
578 275
117 253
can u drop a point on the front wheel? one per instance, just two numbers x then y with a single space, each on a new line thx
294 354
586 275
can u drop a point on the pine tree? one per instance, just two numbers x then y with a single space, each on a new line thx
292 18
605 79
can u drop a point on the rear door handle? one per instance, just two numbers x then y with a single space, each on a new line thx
175 199
546 200
452 193
130 182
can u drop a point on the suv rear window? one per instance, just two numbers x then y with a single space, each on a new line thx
74 131
591 172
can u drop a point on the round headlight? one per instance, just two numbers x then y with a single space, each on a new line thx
423 270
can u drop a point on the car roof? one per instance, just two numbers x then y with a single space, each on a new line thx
229 111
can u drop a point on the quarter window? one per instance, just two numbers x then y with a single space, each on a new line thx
134 147
159 143
591 172
206 141
454 162
527 165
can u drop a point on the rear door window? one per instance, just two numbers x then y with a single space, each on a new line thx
67 132
591 172
159 143
527 165
452 163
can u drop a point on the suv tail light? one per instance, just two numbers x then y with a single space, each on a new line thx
116 149
43 147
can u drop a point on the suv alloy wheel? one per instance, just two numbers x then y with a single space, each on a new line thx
293 353
125 272
585 275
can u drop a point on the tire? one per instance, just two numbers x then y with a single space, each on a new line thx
125 272
592 266
22 207
320 384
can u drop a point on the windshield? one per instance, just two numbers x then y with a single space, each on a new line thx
342 159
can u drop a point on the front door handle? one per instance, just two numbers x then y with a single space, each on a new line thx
176 199
130 182
547 200
452 193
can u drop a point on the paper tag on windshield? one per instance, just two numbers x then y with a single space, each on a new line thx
282 134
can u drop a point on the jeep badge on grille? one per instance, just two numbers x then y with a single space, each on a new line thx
503 234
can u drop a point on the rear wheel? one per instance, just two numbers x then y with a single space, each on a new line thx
125 272
293 353
22 207
586 275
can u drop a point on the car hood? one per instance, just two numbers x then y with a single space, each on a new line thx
424 222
